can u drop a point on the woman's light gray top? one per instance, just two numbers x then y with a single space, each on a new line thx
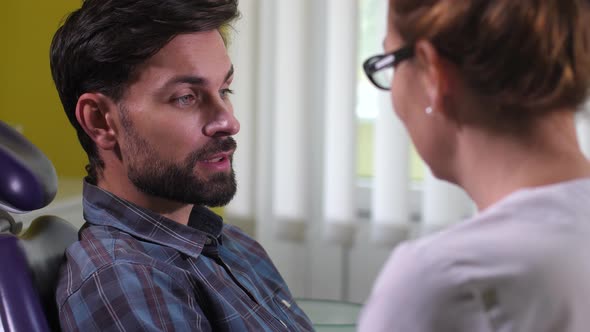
521 265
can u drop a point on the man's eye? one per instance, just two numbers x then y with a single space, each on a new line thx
224 93
185 101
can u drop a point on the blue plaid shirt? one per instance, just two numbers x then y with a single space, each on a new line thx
134 270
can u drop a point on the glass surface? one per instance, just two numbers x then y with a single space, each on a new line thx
328 315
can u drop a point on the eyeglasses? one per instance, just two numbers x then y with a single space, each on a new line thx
379 68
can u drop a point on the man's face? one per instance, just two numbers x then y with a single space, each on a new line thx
178 121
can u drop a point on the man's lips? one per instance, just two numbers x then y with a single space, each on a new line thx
219 162
218 157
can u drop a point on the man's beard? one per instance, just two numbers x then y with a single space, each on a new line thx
179 182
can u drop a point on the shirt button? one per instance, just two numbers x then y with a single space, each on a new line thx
208 241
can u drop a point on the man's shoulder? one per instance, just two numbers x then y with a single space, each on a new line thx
100 247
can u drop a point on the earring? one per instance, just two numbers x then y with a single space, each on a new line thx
428 110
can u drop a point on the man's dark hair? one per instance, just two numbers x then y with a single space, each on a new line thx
100 45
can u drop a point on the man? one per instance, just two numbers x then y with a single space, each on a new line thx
146 85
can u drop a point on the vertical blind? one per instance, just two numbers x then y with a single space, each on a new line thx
291 147
340 210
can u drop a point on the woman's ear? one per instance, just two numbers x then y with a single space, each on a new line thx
436 76
94 112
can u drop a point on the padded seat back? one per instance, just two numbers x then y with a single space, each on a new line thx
44 243
31 259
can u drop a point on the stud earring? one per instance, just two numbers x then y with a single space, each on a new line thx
428 110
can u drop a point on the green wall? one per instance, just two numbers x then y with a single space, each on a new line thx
28 99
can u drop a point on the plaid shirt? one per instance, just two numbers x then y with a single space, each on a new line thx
134 270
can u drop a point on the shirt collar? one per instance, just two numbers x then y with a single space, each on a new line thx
104 208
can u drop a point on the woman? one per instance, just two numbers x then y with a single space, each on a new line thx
488 90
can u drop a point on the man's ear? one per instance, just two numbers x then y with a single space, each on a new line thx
437 76
95 114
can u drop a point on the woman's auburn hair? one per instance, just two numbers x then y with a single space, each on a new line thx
524 58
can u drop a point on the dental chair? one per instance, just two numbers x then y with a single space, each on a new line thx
30 259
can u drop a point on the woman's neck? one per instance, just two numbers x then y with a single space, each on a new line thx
492 166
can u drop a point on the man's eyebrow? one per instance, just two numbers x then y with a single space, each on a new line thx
230 72
187 79
194 80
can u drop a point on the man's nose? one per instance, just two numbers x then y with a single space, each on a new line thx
222 123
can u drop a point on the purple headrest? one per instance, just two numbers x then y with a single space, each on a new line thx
27 178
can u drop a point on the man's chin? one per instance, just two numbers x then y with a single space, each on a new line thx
216 189
218 200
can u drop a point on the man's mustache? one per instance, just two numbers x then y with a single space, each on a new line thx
213 147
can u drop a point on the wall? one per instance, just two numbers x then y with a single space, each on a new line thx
28 99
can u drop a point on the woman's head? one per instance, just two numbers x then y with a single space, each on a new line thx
521 59
492 65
